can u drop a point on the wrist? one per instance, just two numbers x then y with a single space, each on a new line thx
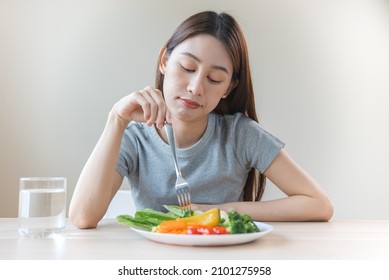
117 119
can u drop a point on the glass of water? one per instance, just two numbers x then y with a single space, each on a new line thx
42 206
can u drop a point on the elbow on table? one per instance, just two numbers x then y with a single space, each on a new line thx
325 210
82 221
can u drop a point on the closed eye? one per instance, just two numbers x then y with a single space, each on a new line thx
214 81
187 69
190 70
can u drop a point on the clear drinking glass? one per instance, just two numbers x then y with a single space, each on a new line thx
42 206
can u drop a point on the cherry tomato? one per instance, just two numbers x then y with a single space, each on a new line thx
198 229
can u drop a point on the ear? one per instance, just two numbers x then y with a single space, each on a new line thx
232 85
162 60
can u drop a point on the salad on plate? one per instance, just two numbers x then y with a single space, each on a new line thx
187 222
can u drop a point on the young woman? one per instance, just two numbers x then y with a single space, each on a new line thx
204 88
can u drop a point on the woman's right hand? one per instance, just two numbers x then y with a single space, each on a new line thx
99 181
147 105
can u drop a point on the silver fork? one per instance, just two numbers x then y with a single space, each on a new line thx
182 186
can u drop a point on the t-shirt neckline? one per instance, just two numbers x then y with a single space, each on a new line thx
189 151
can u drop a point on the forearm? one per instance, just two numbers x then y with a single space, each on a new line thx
95 187
293 208
305 201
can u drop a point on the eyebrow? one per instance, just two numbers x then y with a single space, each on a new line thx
199 60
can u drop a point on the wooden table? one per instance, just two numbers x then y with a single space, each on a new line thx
335 240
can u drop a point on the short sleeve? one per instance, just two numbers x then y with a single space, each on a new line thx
259 147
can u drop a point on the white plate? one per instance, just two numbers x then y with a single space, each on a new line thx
206 240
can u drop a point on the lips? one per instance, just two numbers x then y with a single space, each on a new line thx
190 103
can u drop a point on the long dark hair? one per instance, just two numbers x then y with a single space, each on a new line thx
241 98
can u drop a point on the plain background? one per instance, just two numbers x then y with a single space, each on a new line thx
320 70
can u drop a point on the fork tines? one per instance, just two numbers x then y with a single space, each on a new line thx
183 197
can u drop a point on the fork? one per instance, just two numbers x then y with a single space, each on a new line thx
182 186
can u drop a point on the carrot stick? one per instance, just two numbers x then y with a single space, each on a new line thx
173 226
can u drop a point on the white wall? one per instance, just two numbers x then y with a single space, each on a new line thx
320 67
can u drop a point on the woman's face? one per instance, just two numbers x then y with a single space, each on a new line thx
198 74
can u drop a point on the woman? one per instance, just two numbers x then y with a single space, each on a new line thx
204 88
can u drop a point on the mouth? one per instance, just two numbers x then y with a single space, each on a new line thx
190 103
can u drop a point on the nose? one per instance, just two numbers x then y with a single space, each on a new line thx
196 85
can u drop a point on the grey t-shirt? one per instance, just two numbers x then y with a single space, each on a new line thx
216 167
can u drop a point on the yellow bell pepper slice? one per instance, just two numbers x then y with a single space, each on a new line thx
209 218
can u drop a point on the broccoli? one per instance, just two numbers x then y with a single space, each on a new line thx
237 223
249 224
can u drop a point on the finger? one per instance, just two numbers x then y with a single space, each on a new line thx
160 119
157 106
148 104
139 99
129 107
168 116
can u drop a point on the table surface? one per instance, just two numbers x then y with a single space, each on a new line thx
334 240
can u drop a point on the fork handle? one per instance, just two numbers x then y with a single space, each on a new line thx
172 144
